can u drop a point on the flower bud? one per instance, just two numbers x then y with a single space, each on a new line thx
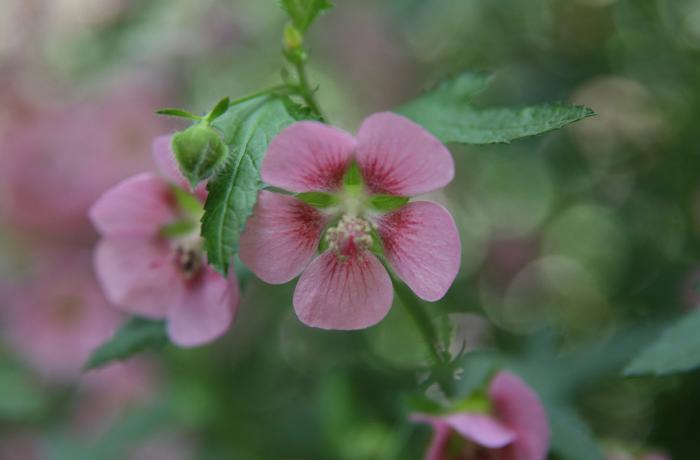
199 151
293 39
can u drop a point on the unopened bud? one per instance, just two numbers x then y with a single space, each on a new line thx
199 151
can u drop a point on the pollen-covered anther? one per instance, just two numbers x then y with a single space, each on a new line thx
350 236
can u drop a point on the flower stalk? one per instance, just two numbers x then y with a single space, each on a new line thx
421 318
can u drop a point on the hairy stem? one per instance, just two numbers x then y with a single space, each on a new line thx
305 90
274 89
420 317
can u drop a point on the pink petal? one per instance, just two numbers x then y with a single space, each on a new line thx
205 309
441 434
656 456
280 237
352 294
308 156
439 442
138 275
139 205
517 406
167 166
482 429
399 157
421 243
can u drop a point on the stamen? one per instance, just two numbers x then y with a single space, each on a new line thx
350 236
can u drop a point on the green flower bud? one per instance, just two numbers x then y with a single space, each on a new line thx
199 151
293 39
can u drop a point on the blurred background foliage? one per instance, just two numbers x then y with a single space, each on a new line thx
578 245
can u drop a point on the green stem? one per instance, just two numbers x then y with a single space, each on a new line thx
274 89
305 88
420 317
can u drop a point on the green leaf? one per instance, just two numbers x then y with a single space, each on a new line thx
448 113
135 336
218 109
178 113
571 437
248 128
199 151
318 199
387 203
677 350
304 12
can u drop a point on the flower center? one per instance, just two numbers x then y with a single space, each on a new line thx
350 236
189 257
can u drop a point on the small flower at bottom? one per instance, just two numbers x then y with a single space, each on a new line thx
351 204
150 260
512 425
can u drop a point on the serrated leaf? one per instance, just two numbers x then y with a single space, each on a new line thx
248 128
178 113
677 350
135 336
448 113
304 12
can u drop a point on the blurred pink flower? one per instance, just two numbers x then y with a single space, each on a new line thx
105 394
147 271
20 446
58 316
622 454
346 287
58 157
515 429
167 446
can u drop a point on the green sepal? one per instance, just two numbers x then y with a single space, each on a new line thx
386 203
377 246
178 228
170 112
477 402
186 202
353 176
199 151
323 244
318 199
219 109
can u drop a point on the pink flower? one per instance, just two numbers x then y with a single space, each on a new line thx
150 261
516 428
346 286
58 316
45 148
615 453
103 395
